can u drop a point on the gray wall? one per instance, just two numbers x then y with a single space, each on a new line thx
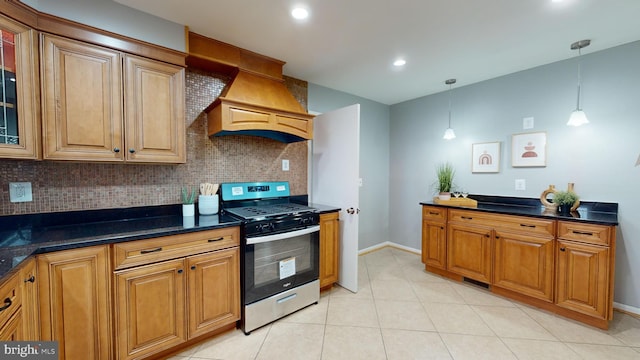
599 157
112 16
374 160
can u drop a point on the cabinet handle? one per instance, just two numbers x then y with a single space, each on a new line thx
441 227
433 213
193 267
467 218
526 225
218 239
150 250
487 235
562 249
582 233
497 237
132 150
180 271
7 303
116 150
31 279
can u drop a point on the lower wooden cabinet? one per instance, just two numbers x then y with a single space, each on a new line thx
150 308
329 248
75 302
583 278
469 251
524 264
11 320
13 330
30 311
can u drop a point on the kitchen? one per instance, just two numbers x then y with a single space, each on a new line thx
71 186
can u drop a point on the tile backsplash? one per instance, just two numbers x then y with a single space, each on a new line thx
66 186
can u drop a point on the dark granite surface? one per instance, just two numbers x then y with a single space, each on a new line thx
24 235
588 211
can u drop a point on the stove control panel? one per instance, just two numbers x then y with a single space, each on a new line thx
281 224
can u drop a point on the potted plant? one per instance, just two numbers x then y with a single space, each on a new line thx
188 198
565 201
445 173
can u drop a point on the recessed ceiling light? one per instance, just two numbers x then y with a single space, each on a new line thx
300 13
399 62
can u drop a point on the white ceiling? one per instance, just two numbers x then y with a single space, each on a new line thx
349 45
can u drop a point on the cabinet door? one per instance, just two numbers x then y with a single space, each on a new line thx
583 278
214 290
13 328
30 311
524 264
154 111
329 248
82 101
149 308
20 91
434 244
469 252
75 304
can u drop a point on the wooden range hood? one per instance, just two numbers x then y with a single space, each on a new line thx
256 102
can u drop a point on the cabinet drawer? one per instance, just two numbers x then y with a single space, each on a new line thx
10 298
587 233
518 224
142 252
434 213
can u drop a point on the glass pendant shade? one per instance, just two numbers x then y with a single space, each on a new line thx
577 118
449 134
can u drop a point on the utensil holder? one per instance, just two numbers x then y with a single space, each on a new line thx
207 204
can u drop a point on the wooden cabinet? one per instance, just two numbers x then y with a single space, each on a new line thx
585 269
329 248
30 309
469 251
434 236
171 289
75 301
84 114
213 290
19 107
11 320
524 264
150 308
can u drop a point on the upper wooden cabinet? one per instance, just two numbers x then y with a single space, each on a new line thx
85 117
19 100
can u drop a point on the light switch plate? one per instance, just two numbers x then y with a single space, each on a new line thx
20 192
527 123
521 184
285 165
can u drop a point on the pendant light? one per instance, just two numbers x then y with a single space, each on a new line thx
578 116
449 134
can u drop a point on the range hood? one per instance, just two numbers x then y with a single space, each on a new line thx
258 105
256 101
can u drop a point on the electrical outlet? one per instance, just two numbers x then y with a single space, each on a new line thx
521 184
20 192
285 165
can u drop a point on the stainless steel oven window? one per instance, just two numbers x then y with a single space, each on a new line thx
269 255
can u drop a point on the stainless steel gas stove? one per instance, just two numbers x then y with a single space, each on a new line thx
280 250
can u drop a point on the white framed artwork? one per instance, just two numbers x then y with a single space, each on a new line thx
485 157
529 149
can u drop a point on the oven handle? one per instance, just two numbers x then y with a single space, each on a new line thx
286 235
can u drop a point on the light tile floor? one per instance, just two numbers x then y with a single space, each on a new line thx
402 312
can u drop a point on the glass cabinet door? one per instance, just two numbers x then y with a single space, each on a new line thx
19 91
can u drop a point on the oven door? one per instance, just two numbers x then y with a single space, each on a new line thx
279 262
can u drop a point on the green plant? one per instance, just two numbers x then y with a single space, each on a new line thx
445 173
565 197
188 197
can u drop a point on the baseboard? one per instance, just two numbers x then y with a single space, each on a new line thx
631 310
388 244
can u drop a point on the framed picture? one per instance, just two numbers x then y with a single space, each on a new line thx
485 157
529 149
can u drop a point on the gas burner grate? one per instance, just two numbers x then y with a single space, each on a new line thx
252 212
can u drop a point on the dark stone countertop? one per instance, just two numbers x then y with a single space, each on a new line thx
25 235
588 211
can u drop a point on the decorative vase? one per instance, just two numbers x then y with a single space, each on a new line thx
188 210
207 204
552 207
444 195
